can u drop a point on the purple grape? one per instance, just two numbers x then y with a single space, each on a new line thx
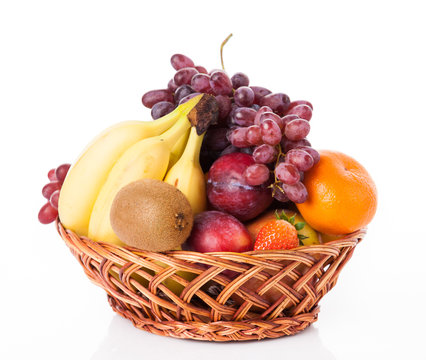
54 199
288 145
287 118
254 135
182 91
264 154
51 175
302 111
287 173
315 154
243 116
180 61
301 159
47 214
300 102
188 97
234 107
237 137
201 69
272 116
297 129
239 79
62 171
259 93
220 83
271 132
278 192
278 102
229 150
172 86
214 70
162 108
215 139
50 188
184 76
225 105
152 97
296 193
201 83
256 174
244 96
259 113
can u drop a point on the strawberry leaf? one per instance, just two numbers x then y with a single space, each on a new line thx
282 216
299 226
278 216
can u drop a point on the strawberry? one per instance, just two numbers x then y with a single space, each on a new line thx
279 234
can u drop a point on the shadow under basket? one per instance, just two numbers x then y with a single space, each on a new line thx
215 296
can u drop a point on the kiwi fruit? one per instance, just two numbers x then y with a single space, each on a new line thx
151 215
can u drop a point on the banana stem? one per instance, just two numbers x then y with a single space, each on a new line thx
190 104
193 147
182 124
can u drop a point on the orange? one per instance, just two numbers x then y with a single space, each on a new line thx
342 196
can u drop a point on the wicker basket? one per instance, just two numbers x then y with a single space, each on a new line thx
226 296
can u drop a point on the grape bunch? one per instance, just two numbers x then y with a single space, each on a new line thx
49 211
252 120
278 144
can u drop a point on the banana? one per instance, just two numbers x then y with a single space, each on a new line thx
178 149
86 177
147 159
187 175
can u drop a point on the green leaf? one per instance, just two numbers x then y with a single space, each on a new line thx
277 215
282 216
302 237
299 226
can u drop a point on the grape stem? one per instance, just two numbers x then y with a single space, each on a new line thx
280 153
221 50
274 188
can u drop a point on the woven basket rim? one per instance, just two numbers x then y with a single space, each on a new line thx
356 236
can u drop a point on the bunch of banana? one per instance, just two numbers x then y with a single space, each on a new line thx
130 151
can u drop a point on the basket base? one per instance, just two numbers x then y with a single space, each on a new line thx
221 331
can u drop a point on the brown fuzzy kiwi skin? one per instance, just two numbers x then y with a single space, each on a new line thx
151 215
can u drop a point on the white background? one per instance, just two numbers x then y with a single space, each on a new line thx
69 69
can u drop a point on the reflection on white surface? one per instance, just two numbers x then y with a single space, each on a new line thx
123 341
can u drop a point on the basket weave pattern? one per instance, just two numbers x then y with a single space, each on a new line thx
219 296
